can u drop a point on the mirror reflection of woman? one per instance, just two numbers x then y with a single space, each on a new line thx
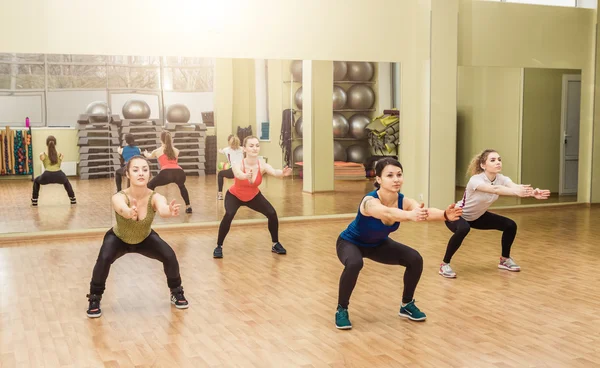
244 192
483 189
170 171
127 152
234 154
379 214
52 174
135 208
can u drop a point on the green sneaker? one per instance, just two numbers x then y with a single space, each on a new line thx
412 312
342 322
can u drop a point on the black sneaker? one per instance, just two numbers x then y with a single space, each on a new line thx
178 299
73 200
188 210
34 202
278 248
218 252
94 310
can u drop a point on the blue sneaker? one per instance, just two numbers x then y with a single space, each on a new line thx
412 312
342 322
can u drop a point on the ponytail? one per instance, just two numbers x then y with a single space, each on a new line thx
52 153
165 137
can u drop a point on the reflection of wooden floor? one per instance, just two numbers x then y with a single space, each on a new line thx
93 209
504 201
254 308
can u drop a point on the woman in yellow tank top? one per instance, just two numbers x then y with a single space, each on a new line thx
52 173
134 211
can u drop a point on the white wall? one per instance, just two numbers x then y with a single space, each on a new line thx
64 107
14 109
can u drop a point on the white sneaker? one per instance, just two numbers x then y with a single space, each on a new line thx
446 271
509 264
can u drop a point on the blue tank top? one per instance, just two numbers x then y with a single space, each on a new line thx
367 231
129 152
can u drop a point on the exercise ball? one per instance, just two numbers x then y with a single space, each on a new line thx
339 153
297 155
136 109
340 69
298 98
360 71
178 113
358 122
339 98
340 125
360 97
98 108
356 153
299 127
296 70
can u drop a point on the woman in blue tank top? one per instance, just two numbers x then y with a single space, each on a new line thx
380 214
127 152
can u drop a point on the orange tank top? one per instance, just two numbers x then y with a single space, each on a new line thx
165 163
243 189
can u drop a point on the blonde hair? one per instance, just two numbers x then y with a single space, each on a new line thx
480 159
234 142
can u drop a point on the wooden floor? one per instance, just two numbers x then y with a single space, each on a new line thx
257 309
93 209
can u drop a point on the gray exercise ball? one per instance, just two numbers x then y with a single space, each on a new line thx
358 122
297 155
339 98
178 113
357 153
360 96
296 70
340 125
340 69
298 98
339 153
99 108
299 127
136 109
360 71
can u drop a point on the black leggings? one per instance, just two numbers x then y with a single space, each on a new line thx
52 177
119 177
389 252
152 247
168 176
487 221
258 204
224 174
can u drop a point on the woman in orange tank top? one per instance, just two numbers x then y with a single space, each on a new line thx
244 192
170 171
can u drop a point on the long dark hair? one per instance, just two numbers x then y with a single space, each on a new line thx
52 154
381 164
165 137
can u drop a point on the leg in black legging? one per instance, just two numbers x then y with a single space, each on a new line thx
393 253
156 248
491 221
224 174
351 257
262 205
179 178
460 228
232 205
162 178
119 178
112 249
51 177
